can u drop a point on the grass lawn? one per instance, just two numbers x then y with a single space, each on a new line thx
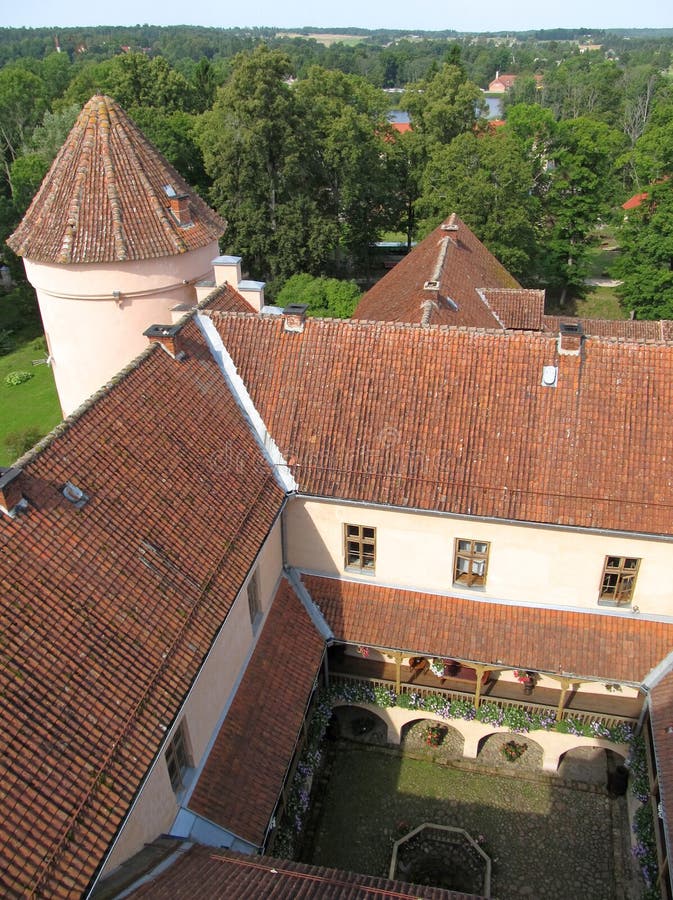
545 840
31 407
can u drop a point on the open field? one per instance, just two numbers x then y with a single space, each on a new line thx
351 40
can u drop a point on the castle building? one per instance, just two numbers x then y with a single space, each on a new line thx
211 536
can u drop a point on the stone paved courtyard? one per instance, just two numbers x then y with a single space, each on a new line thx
550 838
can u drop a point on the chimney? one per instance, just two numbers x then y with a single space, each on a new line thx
253 293
570 338
10 491
168 336
227 268
294 317
180 209
204 289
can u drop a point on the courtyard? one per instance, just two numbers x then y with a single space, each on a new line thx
551 837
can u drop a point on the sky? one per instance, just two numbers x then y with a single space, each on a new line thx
427 15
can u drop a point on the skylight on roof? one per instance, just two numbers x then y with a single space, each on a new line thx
169 190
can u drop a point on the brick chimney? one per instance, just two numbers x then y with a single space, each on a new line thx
180 209
10 491
571 335
294 317
168 336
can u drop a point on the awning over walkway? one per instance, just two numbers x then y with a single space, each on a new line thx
587 645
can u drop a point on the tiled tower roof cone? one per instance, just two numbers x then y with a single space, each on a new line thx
110 196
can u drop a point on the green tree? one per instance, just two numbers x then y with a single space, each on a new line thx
443 106
583 188
323 296
348 160
254 145
22 105
26 174
646 260
175 135
488 181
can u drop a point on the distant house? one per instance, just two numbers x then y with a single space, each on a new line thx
502 83
635 201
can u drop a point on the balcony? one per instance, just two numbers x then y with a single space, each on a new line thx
584 705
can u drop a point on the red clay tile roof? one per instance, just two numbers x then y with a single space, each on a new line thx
109 610
630 329
226 298
225 875
661 714
458 262
521 309
616 648
244 774
635 201
457 420
104 198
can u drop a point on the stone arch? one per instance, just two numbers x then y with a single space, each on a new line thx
452 738
361 721
491 750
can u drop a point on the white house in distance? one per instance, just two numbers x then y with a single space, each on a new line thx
451 475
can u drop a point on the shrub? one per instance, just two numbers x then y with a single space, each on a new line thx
15 378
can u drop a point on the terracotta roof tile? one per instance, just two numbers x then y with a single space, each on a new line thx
457 420
104 198
109 610
458 262
225 875
517 309
628 329
614 648
243 776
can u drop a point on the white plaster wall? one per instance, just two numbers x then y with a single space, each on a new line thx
91 333
526 564
157 805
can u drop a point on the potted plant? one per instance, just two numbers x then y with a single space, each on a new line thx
526 678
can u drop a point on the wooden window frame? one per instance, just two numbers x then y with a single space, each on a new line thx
618 581
473 558
360 548
178 759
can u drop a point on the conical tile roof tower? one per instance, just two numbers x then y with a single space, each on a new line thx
113 241
110 196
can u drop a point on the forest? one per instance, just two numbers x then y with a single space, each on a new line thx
289 137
